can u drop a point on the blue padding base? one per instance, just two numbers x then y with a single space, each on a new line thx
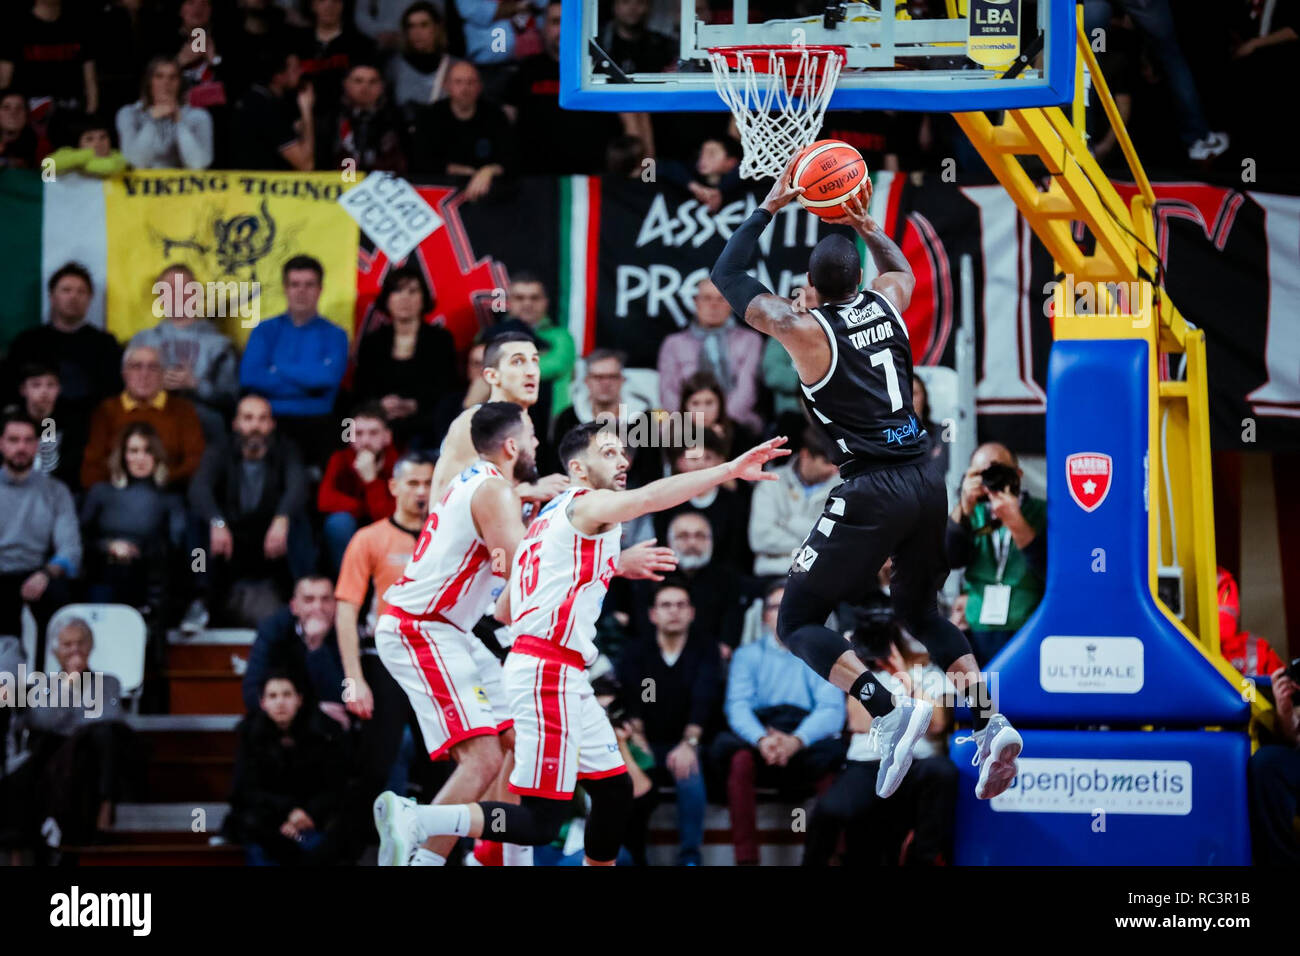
1111 656
1174 798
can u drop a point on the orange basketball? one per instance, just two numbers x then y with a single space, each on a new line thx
830 172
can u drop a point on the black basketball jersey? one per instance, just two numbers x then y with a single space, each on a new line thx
864 402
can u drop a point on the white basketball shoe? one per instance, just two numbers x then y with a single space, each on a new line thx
399 830
896 734
996 748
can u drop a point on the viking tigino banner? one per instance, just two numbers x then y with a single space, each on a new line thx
235 231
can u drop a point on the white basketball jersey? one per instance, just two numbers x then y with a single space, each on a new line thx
559 579
450 573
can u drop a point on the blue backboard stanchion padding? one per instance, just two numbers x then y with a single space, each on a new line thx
1211 765
1097 396
1056 88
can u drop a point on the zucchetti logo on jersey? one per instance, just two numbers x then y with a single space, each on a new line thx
1088 475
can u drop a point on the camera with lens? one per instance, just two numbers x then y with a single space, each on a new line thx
1001 477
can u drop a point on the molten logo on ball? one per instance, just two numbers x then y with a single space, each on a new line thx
830 172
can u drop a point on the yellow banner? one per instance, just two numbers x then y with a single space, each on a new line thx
235 231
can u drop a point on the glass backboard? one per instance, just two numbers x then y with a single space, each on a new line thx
933 55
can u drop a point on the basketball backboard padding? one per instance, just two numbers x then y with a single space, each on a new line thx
867 82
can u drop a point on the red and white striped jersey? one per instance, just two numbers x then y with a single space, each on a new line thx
559 579
450 573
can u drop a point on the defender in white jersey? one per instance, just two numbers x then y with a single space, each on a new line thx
424 639
557 583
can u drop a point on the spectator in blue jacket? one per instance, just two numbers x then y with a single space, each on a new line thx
297 361
300 641
785 728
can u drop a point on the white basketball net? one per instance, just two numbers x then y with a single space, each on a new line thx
760 89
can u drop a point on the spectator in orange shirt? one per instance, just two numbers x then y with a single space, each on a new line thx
354 491
375 558
144 400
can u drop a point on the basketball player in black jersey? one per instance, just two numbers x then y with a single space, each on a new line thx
854 361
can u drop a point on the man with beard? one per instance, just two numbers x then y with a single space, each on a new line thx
424 637
851 350
556 588
40 545
249 500
719 594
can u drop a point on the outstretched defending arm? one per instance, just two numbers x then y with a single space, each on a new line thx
594 512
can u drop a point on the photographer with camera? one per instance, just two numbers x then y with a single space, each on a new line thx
997 532
1275 777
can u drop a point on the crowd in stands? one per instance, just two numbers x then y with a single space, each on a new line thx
283 488
469 89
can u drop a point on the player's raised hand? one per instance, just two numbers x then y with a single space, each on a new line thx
749 466
855 211
645 561
783 190
972 490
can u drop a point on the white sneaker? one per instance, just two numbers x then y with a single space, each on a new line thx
196 618
1208 146
399 830
996 748
895 735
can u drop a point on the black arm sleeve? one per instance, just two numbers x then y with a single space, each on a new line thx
728 273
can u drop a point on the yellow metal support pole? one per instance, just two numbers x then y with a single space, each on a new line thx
1124 254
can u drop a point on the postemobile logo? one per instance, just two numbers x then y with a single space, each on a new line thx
1140 787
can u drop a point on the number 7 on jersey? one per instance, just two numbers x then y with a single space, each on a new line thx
885 359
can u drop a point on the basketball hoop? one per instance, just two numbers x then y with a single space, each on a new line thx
778 95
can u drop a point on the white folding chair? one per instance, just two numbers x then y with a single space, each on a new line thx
121 636
640 388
